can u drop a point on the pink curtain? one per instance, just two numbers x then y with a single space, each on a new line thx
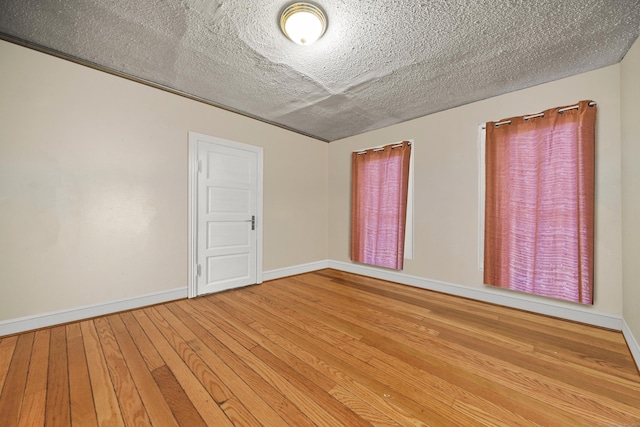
539 204
379 187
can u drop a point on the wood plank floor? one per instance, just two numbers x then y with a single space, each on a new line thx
327 349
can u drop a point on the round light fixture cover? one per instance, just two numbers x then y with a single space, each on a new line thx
303 23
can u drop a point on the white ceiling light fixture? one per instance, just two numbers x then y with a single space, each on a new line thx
303 23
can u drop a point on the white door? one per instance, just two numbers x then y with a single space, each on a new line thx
228 214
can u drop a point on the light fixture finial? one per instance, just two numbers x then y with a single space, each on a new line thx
303 23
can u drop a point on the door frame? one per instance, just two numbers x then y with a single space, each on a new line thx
194 139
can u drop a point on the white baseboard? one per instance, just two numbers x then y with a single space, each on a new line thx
632 343
22 324
548 308
28 323
295 269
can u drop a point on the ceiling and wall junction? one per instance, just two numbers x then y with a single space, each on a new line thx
379 63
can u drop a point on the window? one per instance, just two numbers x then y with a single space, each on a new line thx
539 203
379 199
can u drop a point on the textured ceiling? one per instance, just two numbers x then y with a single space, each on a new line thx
379 63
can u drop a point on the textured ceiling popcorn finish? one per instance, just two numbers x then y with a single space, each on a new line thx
379 62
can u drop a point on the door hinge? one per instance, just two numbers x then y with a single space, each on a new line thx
200 166
199 270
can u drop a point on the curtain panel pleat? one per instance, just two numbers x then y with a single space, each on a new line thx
539 205
379 189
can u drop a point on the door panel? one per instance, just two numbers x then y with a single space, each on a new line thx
228 167
228 200
227 235
228 268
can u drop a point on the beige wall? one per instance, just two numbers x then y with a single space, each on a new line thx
93 185
446 186
630 113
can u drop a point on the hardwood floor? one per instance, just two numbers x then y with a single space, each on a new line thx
326 348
